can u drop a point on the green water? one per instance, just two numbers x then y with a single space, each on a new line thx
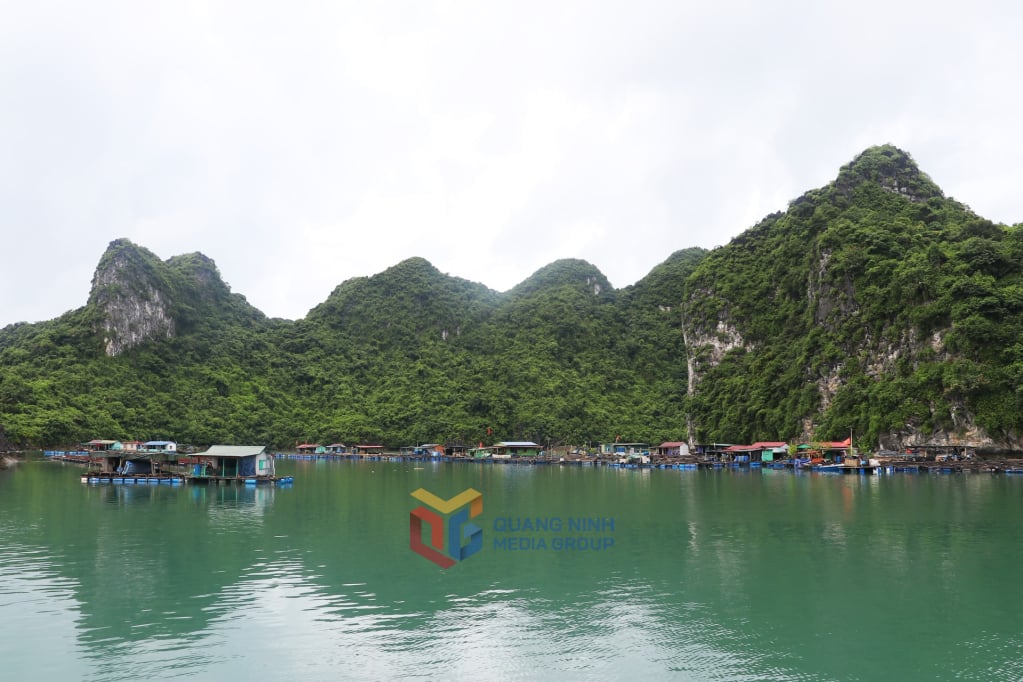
712 575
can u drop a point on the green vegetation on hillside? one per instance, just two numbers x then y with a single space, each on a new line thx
874 305
878 286
407 356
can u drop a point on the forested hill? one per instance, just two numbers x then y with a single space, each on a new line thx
163 349
874 304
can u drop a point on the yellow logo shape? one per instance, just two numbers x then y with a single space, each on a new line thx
467 496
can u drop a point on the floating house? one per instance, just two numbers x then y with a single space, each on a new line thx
514 449
456 450
310 449
427 450
625 449
763 451
834 450
336 449
139 459
160 446
100 445
111 462
675 448
368 449
232 463
770 450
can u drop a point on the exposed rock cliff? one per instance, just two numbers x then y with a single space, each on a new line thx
137 298
130 297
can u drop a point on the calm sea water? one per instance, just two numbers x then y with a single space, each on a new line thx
696 575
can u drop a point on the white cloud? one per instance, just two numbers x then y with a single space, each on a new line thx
299 145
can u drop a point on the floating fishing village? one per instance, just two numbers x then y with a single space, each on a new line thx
162 462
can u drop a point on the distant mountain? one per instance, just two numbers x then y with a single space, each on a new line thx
874 305
404 303
164 349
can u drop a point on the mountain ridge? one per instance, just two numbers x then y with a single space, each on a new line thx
873 304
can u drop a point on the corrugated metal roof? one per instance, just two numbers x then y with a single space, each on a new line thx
233 451
673 444
516 444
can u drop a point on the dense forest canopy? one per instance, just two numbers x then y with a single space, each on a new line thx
874 304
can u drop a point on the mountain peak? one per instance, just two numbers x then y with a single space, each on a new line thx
130 294
140 298
891 168
565 272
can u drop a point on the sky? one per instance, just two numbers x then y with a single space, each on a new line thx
301 144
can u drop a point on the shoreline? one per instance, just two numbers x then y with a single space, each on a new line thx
883 466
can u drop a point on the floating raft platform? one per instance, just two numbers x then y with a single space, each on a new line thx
133 479
241 480
175 479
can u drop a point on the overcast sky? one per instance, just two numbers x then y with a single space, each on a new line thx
300 144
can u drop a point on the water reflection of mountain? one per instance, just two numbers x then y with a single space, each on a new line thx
143 560
710 570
